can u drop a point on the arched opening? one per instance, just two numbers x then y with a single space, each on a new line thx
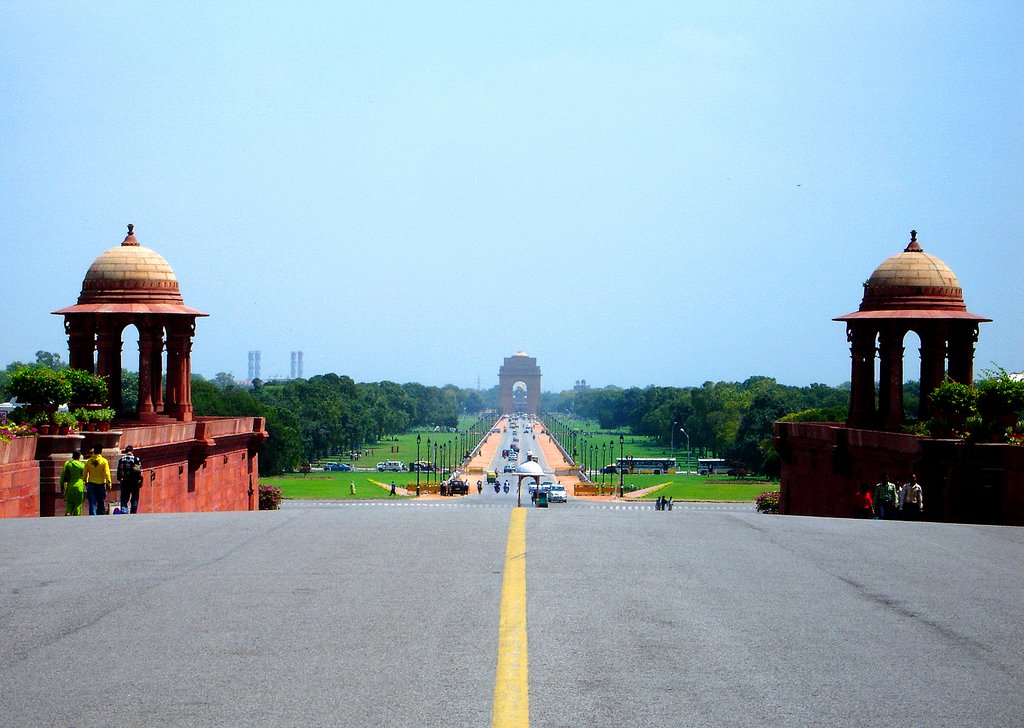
130 370
912 376
520 397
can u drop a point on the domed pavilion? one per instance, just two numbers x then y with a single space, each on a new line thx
131 285
911 291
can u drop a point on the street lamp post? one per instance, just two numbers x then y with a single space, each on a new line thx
622 441
417 462
604 463
674 437
683 430
428 458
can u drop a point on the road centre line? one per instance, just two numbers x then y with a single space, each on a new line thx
511 682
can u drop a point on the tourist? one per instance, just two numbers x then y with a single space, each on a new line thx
72 486
352 488
392 487
129 479
885 498
97 480
864 505
911 499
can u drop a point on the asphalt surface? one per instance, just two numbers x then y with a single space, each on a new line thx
386 614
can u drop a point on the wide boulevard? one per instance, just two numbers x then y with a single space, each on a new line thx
404 613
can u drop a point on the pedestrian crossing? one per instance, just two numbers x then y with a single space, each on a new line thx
447 505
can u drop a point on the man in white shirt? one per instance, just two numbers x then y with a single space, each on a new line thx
911 499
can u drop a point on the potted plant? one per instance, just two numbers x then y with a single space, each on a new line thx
41 421
102 418
82 417
64 421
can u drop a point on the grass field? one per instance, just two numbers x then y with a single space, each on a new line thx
403 447
336 485
696 487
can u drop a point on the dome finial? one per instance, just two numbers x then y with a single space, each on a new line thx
130 237
914 247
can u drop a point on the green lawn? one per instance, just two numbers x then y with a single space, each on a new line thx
403 447
697 487
336 485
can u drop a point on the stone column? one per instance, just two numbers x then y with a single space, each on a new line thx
156 368
81 332
890 377
961 352
146 410
108 359
933 366
179 368
862 375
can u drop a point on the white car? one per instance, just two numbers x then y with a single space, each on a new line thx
556 493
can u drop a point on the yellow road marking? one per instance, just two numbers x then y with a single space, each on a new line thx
511 683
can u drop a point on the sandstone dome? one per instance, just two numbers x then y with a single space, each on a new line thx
130 278
912 284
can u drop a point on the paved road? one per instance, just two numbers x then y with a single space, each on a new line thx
387 615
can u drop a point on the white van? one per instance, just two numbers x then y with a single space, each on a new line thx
391 466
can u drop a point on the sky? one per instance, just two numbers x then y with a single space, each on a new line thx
642 193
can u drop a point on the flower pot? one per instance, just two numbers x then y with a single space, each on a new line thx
104 426
63 429
90 426
45 429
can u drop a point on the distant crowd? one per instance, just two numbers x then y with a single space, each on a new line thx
888 501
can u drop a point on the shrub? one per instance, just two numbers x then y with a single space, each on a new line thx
39 387
1000 394
954 402
270 497
768 502
86 387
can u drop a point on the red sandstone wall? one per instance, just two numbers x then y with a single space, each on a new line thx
823 465
207 465
19 478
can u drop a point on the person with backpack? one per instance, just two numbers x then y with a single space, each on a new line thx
129 478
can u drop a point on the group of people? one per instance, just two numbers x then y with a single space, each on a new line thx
888 501
89 480
663 504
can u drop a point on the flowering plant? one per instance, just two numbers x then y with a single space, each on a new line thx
270 497
768 502
9 431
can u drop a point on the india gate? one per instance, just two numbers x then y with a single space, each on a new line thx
519 384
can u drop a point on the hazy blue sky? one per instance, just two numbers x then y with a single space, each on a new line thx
635 193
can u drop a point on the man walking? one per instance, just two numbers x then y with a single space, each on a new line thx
885 498
97 480
129 478
911 499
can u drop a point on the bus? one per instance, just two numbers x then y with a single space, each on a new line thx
641 465
712 466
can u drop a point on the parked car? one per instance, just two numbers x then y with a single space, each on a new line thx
458 487
338 467
556 493
391 466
